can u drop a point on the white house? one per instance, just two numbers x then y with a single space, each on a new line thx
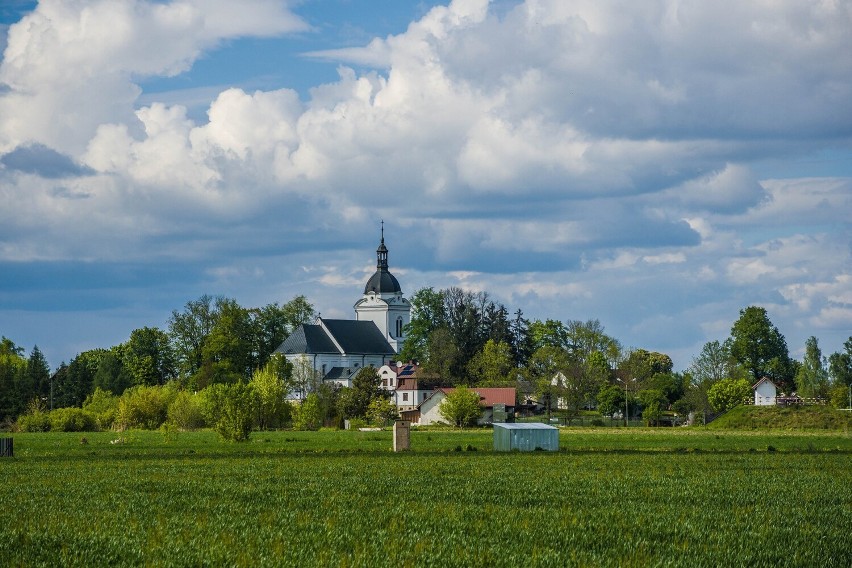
407 383
428 412
765 392
337 349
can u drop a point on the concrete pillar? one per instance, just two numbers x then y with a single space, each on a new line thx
401 435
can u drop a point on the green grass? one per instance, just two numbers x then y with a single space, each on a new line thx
786 417
611 497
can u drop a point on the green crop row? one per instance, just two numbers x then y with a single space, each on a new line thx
285 499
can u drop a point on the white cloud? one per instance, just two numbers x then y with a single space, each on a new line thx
597 153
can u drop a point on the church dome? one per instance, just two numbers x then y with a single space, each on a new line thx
382 281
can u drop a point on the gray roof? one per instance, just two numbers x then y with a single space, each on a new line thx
382 282
354 337
525 426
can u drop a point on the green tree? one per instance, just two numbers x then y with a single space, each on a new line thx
759 347
715 363
728 393
271 392
148 357
610 400
112 375
228 352
552 333
840 365
427 315
366 387
189 330
144 407
653 402
461 407
443 356
381 411
236 417
540 371
494 365
12 367
812 376
308 415
103 405
273 323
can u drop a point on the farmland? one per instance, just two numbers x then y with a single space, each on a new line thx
610 498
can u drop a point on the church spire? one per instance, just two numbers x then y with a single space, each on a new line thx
382 252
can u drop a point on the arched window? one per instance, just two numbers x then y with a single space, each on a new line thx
399 326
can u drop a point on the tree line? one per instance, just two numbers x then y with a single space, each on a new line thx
461 338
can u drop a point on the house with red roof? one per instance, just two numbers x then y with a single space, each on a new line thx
501 400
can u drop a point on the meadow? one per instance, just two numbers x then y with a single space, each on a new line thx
610 497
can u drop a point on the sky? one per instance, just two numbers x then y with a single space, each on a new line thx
655 165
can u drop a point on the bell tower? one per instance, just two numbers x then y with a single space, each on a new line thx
383 302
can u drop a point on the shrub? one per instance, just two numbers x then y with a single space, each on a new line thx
35 422
142 407
104 406
184 412
237 412
308 415
72 420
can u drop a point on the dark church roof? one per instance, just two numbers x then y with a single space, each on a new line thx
354 338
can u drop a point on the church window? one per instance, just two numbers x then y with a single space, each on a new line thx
399 327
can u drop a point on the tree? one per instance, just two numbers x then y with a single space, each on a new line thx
541 369
493 366
237 412
840 365
715 363
366 387
308 414
111 374
270 393
427 315
273 323
36 378
228 352
728 393
305 378
148 357
381 411
760 348
812 376
522 344
653 401
586 338
189 330
12 367
551 333
443 356
610 400
461 407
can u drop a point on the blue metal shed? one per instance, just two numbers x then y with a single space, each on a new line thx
525 437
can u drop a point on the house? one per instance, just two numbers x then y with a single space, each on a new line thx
335 350
765 392
497 403
408 384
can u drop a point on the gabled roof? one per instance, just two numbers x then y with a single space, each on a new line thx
763 380
338 373
350 337
487 396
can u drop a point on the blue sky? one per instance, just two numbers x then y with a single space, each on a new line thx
657 166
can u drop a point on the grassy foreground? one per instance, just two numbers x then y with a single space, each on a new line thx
612 497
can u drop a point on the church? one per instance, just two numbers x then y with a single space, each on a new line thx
337 349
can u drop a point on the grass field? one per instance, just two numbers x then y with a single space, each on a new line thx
611 497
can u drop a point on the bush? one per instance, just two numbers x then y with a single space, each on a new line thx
185 411
308 415
142 407
237 412
35 422
72 420
104 406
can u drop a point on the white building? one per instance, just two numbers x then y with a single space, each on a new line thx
765 392
407 384
337 349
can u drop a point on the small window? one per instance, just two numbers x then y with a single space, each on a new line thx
399 327
405 397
